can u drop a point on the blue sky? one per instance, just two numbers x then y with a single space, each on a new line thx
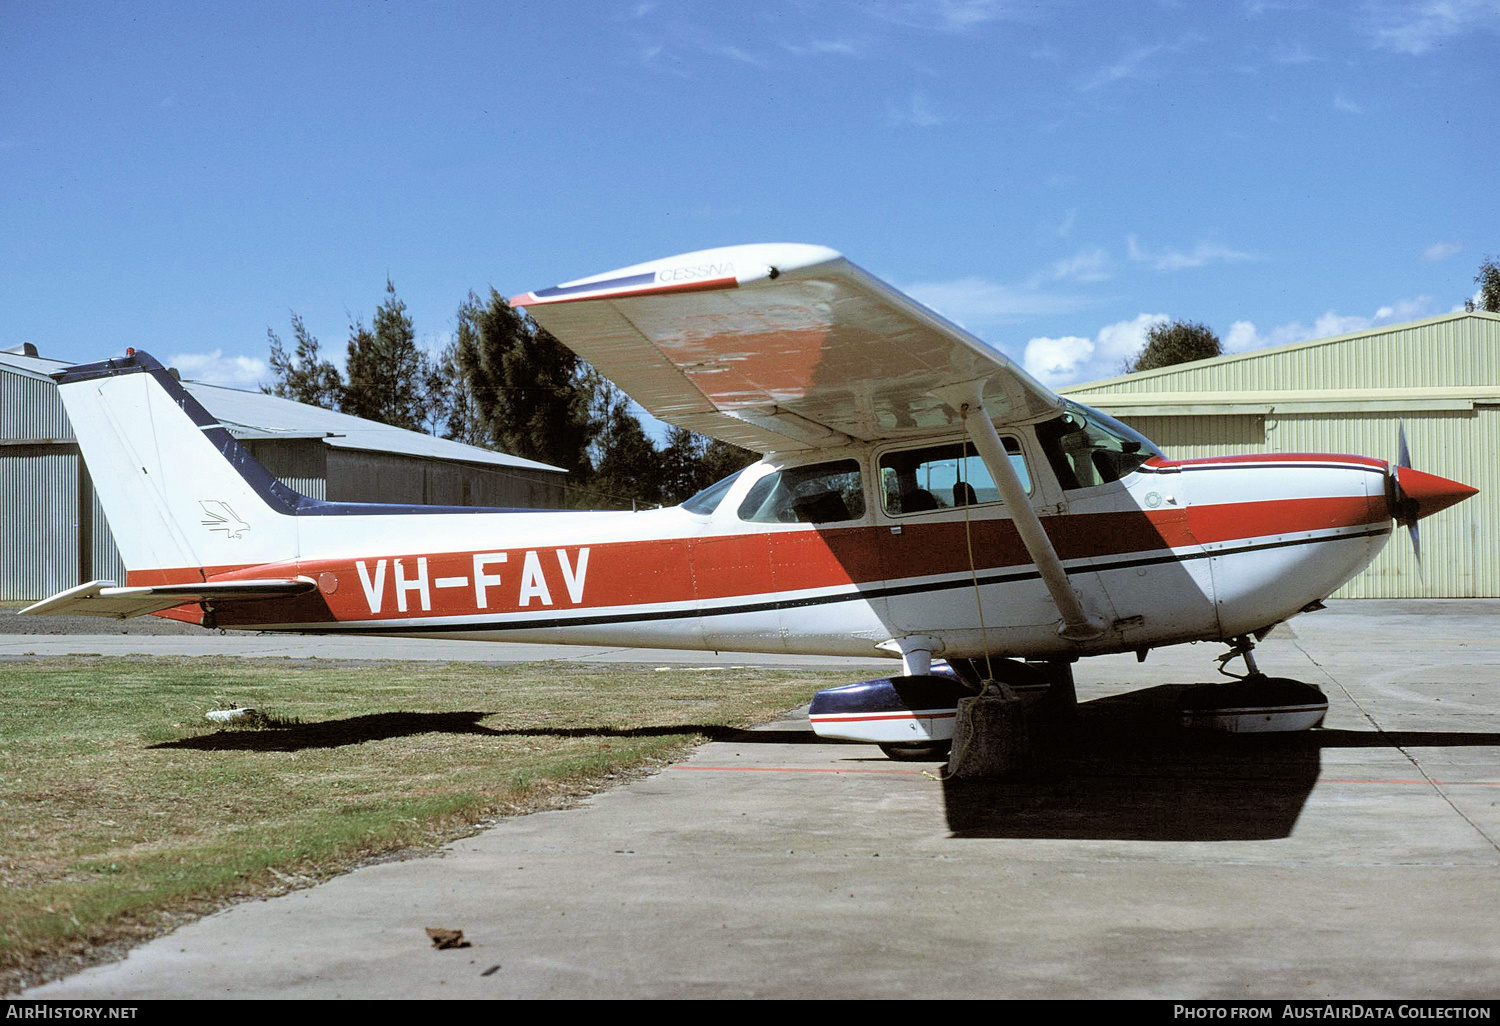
179 177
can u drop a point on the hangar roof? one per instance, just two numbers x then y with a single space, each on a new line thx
1450 362
254 415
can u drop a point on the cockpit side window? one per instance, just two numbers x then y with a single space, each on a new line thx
821 493
938 477
1087 448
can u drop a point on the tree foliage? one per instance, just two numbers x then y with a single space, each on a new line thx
305 377
627 464
529 395
388 375
1488 280
1176 342
453 414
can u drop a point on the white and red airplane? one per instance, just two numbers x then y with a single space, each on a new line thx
920 496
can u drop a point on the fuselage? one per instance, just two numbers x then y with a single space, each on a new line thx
840 552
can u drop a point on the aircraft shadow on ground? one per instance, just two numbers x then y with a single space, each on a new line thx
1126 770
354 730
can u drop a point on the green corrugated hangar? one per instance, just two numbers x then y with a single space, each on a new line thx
1350 394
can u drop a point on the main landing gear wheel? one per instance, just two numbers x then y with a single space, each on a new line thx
918 751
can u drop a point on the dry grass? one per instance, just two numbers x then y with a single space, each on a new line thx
124 812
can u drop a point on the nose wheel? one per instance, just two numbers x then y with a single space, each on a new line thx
1252 702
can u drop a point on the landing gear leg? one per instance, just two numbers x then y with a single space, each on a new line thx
1242 647
1060 702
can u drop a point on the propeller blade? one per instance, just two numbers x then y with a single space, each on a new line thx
1403 503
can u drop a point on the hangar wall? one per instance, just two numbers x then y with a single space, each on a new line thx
1459 546
397 478
1440 378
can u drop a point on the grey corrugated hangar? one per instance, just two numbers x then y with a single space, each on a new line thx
1439 377
53 534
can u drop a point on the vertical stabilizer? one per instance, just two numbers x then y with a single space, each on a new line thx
179 492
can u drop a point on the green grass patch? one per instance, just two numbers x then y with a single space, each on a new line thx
123 811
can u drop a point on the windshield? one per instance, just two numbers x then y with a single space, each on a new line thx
706 501
1088 448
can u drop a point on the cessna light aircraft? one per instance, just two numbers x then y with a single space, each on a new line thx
920 496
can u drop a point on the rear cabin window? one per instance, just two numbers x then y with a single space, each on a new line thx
939 477
821 493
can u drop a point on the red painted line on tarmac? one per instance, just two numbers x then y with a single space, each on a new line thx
793 769
1442 783
918 773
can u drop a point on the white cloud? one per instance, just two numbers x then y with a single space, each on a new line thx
217 369
1085 265
1416 28
1122 340
978 301
1255 8
1292 53
821 47
1440 250
1404 310
1132 65
1244 336
659 58
1340 102
1057 360
1175 260
734 53
917 111
1068 360
957 16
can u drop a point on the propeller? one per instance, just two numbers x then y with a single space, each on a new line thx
1414 494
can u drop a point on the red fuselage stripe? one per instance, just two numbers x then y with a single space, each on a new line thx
715 568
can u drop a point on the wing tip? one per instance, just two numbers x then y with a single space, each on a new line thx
724 268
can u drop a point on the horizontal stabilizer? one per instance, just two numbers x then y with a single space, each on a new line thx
103 598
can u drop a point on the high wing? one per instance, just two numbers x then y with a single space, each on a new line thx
103 598
779 348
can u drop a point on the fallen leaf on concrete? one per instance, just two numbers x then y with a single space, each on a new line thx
442 938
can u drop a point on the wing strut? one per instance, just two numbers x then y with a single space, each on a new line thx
968 399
